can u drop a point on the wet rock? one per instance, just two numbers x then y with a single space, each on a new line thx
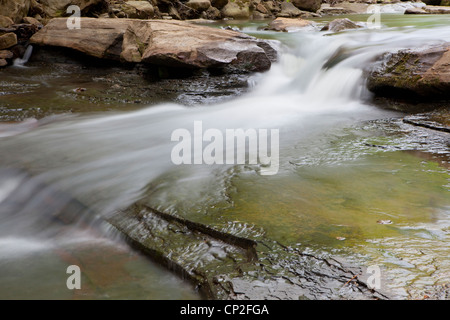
236 10
287 24
417 74
138 9
15 9
158 42
8 40
307 5
5 22
338 25
3 62
226 266
199 5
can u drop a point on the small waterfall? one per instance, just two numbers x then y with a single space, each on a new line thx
20 62
106 161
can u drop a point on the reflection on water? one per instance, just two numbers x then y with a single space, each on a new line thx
36 269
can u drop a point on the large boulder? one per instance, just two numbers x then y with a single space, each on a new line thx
138 9
421 74
15 9
236 10
57 8
199 5
158 42
307 5
288 10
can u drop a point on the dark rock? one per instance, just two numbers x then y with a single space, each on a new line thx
420 74
307 5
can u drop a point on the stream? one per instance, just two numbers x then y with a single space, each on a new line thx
354 180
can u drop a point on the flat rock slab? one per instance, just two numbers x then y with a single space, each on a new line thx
159 42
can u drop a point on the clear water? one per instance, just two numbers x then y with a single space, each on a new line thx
332 182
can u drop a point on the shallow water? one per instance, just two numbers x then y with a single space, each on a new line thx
345 165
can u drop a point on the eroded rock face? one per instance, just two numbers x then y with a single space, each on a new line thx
414 74
158 42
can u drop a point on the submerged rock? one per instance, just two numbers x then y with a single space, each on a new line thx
420 74
158 42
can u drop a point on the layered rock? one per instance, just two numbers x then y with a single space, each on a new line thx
158 42
422 74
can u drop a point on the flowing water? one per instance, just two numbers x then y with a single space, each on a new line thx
344 165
